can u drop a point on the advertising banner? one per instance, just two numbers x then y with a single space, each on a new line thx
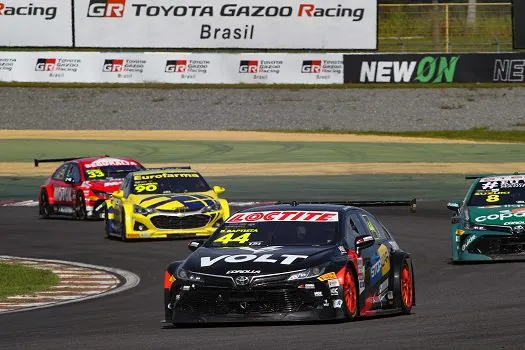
280 24
171 68
435 68
36 23
518 23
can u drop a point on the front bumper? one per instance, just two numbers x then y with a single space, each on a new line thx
490 246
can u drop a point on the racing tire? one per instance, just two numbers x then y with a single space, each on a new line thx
106 228
350 295
44 209
80 207
405 287
123 226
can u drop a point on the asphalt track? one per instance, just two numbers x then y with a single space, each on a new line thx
463 307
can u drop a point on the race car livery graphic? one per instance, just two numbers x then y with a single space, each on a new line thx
291 262
489 224
80 186
162 203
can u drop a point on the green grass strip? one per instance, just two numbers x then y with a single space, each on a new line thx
18 279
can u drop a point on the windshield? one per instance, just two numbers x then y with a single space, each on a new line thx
281 228
110 172
166 183
502 190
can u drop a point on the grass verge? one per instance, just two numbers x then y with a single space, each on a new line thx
474 134
17 279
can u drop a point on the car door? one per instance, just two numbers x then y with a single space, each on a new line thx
62 191
117 203
377 263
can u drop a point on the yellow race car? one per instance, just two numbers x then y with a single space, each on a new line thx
165 202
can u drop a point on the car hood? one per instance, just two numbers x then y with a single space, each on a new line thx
184 201
107 186
259 261
506 215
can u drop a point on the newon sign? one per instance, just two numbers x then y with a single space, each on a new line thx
247 24
35 23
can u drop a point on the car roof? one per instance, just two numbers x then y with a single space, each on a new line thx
165 170
90 160
288 206
502 177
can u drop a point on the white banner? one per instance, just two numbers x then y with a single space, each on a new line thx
253 24
35 23
171 68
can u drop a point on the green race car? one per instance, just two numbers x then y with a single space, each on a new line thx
489 224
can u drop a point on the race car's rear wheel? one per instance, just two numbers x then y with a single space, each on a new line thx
80 207
350 295
407 288
43 206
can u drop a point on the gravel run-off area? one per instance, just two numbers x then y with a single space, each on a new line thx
219 109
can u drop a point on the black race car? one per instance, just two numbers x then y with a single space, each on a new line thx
292 262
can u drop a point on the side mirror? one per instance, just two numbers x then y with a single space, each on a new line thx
219 189
363 242
454 206
194 245
118 194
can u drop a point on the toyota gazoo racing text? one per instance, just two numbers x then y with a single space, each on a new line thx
80 186
489 224
291 262
165 202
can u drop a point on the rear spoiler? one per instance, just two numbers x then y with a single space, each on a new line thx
477 176
410 203
57 160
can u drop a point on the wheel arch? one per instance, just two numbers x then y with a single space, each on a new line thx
397 263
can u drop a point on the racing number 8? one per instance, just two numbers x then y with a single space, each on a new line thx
147 188
493 198
93 174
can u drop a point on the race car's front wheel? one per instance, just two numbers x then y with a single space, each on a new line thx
43 206
80 207
350 295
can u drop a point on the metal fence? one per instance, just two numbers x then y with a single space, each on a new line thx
454 27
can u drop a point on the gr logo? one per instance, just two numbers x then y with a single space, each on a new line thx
176 66
113 66
311 66
248 66
106 8
45 64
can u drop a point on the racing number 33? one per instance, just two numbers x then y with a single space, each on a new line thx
95 173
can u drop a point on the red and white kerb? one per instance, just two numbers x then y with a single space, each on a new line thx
307 216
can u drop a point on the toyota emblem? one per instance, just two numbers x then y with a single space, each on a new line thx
519 230
242 280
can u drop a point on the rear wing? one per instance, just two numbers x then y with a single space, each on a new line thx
477 176
411 204
57 160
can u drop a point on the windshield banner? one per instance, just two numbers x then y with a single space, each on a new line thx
307 216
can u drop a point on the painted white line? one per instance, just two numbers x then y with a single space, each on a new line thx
130 279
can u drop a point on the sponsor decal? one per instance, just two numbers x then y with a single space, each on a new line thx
57 67
514 223
430 69
261 250
469 240
285 259
308 216
503 178
124 68
383 286
63 194
322 69
333 283
7 64
163 176
309 286
106 8
260 69
187 69
318 294
185 287
337 303
327 276
48 13
230 272
509 71
342 249
380 264
504 214
101 162
334 291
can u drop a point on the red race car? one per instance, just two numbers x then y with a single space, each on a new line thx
80 186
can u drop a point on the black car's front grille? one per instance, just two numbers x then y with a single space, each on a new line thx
213 301
495 245
174 222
